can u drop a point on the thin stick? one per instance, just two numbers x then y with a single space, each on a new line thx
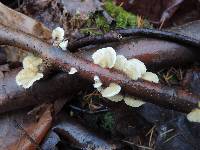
113 36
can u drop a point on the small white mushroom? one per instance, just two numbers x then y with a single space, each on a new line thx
58 34
133 102
112 90
31 62
132 70
120 62
97 82
72 70
63 45
105 57
194 116
26 77
140 65
149 76
116 98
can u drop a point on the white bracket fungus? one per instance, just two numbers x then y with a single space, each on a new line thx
97 82
140 65
112 90
72 70
133 102
27 76
120 62
105 57
58 34
116 98
149 76
194 116
132 70
63 45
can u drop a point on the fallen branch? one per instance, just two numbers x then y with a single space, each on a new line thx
158 94
75 134
115 36
156 54
13 96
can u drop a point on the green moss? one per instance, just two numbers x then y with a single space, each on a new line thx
108 121
123 18
132 20
101 23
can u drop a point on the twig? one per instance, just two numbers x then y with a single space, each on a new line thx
113 36
158 94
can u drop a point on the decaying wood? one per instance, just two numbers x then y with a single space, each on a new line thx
13 96
158 94
77 135
156 54
3 57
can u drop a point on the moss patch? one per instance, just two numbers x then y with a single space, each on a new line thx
123 18
97 24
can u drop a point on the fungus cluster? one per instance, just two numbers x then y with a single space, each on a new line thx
194 115
58 37
72 70
105 57
133 68
30 72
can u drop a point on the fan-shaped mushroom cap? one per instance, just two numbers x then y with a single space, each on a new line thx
58 34
194 116
120 62
149 76
112 90
133 102
105 57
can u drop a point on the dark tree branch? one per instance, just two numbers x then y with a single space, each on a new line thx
158 94
13 96
117 35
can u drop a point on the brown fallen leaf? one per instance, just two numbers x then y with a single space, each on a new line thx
36 131
22 131
19 21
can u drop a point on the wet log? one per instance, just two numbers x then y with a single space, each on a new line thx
80 137
13 96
